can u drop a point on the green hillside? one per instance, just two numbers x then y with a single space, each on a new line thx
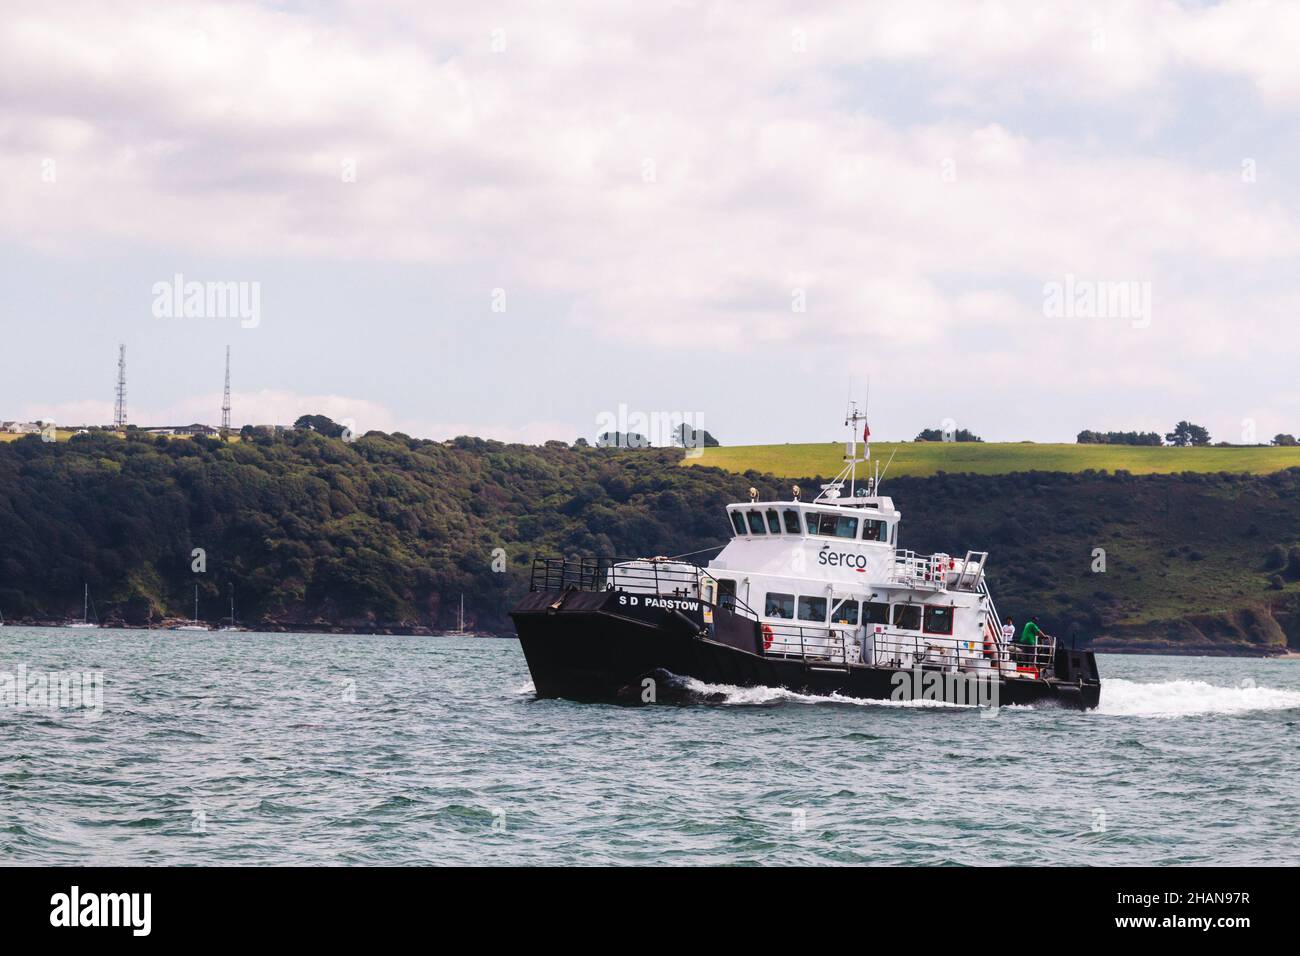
387 533
922 459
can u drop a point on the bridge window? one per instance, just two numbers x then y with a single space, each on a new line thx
846 612
938 620
876 612
738 522
812 609
756 522
792 522
773 521
838 526
874 530
907 616
779 605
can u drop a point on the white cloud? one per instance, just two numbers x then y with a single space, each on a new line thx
679 174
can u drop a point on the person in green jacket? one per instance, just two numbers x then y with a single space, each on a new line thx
1027 642
1029 636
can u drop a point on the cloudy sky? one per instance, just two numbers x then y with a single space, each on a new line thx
511 218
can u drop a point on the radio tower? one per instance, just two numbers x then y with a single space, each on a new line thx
119 413
225 402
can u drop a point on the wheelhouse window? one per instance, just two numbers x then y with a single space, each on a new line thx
792 522
837 526
756 522
938 620
727 593
876 612
812 609
874 529
773 521
779 605
738 522
907 616
846 612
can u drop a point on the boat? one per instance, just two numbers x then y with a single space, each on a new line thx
85 611
232 626
816 597
193 625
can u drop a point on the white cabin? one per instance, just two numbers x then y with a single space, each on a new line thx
829 575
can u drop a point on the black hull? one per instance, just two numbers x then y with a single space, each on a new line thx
585 646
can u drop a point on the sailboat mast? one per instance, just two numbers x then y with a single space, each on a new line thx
85 602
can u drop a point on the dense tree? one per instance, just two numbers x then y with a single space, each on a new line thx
1284 439
326 426
1086 437
935 434
688 437
622 440
1185 435
388 531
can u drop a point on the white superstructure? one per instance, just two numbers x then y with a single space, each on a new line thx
827 579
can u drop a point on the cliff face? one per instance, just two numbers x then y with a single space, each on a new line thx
1250 631
386 533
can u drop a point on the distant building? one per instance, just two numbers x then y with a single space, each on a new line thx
195 429
20 428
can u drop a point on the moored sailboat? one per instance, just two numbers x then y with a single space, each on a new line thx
85 610
194 625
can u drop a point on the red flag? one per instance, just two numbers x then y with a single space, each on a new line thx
866 431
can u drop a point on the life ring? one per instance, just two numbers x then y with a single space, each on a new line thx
767 637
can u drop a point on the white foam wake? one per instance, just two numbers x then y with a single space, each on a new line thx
1183 698
733 694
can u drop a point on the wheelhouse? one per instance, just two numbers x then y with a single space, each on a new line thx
874 522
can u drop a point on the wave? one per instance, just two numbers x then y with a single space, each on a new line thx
1186 698
761 696
1119 697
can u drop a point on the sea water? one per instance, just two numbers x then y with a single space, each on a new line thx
245 748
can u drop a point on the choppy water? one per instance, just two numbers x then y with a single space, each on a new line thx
312 749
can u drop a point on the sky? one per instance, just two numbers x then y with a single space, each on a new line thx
523 220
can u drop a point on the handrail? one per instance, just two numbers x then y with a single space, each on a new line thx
906 649
814 645
933 571
662 576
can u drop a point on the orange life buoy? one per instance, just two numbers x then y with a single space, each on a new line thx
767 637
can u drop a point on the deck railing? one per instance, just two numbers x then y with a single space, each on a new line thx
664 576
939 572
902 650
813 645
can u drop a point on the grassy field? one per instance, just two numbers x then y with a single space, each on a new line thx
62 433
922 459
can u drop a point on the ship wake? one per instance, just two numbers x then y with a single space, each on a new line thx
1189 698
